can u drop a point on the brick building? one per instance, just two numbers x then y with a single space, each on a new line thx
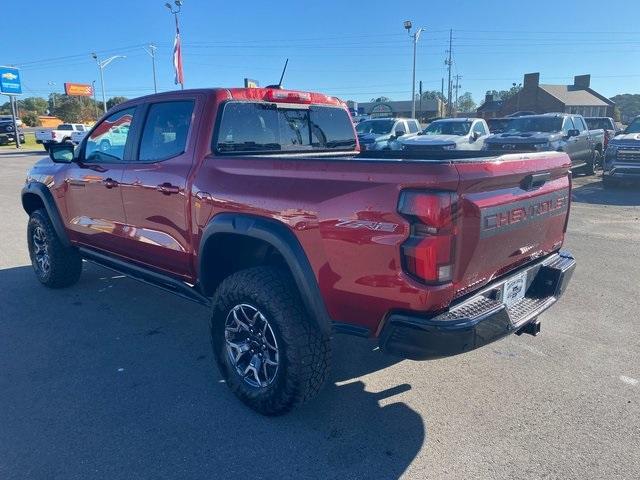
578 98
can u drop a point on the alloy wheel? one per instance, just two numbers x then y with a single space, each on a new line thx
251 345
41 250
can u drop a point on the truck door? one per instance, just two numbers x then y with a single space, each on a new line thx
95 214
584 140
571 148
154 189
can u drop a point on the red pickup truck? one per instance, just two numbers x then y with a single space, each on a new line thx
258 203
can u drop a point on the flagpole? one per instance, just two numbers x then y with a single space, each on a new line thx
177 45
180 45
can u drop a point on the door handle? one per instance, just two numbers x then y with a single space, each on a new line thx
110 183
167 189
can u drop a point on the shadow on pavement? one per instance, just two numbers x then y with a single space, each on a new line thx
625 194
115 379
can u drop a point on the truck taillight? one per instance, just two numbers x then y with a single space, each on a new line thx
428 253
276 95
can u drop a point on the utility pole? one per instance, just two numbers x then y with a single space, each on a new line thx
101 66
95 103
457 87
440 112
53 95
415 37
448 63
420 93
152 52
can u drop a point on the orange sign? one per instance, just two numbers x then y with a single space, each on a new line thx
78 89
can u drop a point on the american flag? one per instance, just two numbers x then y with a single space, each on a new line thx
177 59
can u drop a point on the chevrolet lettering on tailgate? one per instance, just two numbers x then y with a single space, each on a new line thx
503 218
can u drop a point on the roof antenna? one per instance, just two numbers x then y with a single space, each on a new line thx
279 85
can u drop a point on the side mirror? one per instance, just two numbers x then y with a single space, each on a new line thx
573 133
474 136
61 152
399 133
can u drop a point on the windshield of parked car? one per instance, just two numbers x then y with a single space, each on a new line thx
498 125
596 123
255 127
634 127
378 127
447 128
535 124
65 126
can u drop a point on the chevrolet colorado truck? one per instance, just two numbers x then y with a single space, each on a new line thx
622 157
258 203
561 132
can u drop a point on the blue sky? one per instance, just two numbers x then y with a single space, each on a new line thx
355 50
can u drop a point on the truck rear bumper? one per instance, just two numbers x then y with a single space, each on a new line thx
482 318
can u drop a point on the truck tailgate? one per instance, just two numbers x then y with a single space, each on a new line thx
510 211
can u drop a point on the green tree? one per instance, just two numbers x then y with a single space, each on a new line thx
38 105
74 109
430 95
5 108
381 99
113 101
628 104
466 103
505 94
30 119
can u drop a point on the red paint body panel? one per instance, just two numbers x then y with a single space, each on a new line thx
343 210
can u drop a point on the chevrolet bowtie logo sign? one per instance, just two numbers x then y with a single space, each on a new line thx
10 81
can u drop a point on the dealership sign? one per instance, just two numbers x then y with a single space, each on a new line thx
78 89
10 81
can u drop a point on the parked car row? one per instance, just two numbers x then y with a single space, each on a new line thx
584 142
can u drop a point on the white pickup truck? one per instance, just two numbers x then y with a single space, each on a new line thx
449 134
62 133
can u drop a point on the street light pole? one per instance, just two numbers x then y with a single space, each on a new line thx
95 103
101 66
152 52
415 36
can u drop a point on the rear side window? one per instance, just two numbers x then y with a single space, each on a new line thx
413 126
165 130
255 127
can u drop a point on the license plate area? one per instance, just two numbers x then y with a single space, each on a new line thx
514 289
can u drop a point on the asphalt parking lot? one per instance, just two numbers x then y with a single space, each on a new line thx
114 379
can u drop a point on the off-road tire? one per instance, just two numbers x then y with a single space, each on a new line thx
590 168
65 264
305 352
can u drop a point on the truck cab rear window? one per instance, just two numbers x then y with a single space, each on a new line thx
265 127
